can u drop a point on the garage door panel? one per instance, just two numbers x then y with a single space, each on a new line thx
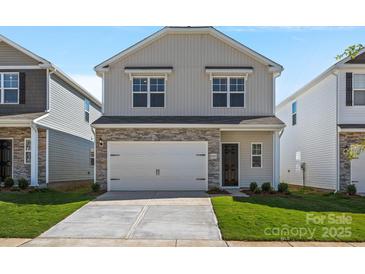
157 166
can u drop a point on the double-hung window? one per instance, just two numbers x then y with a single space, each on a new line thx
294 113
92 157
148 92
87 110
9 87
256 155
359 89
27 151
228 91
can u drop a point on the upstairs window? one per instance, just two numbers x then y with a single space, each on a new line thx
228 91
294 113
148 92
359 89
87 110
9 87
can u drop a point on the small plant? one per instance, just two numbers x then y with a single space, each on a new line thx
23 183
253 186
8 182
283 188
266 187
351 189
95 187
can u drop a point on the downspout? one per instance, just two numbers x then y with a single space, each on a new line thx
337 136
94 133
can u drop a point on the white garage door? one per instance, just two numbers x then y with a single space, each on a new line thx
137 166
358 173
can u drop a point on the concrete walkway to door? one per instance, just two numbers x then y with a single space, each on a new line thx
141 215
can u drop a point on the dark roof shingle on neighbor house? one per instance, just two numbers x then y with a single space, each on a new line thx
351 126
219 120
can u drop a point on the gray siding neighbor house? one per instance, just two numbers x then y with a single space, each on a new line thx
187 108
45 117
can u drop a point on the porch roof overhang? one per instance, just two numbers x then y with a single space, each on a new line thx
224 123
352 127
19 120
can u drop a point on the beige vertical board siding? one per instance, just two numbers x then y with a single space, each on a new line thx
248 174
10 56
188 86
314 136
349 114
67 110
69 157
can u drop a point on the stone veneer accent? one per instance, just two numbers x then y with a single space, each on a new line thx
212 136
346 139
42 144
20 169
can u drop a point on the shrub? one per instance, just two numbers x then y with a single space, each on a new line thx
8 182
253 186
266 187
23 183
351 189
283 188
95 187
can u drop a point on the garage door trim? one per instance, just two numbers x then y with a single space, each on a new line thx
157 142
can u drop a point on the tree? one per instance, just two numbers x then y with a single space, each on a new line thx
351 51
354 150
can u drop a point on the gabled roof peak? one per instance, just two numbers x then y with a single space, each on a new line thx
188 29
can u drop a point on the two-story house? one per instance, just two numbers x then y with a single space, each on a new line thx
45 116
187 108
324 119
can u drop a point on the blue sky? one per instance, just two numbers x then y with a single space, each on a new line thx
303 51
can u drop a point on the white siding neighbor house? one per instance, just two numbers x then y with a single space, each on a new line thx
45 117
325 118
187 108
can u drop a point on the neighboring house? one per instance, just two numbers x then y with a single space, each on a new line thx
45 116
323 119
187 108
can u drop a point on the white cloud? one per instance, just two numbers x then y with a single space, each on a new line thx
91 83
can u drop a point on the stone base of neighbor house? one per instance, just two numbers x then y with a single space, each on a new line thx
215 138
345 140
18 168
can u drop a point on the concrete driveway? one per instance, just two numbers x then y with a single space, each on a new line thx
142 215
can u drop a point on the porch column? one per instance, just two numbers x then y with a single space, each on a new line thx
276 156
34 156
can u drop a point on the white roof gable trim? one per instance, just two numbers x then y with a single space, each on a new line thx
42 61
44 64
275 67
316 80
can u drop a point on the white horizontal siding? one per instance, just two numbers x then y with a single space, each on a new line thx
67 110
247 173
69 157
314 136
188 86
349 114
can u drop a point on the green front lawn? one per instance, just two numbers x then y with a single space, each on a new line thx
303 216
27 215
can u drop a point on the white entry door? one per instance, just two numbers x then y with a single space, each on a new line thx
358 173
138 166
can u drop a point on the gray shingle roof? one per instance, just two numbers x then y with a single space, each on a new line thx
229 120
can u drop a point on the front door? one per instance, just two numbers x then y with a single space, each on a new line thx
5 159
230 165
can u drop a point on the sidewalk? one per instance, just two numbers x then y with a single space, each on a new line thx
67 242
